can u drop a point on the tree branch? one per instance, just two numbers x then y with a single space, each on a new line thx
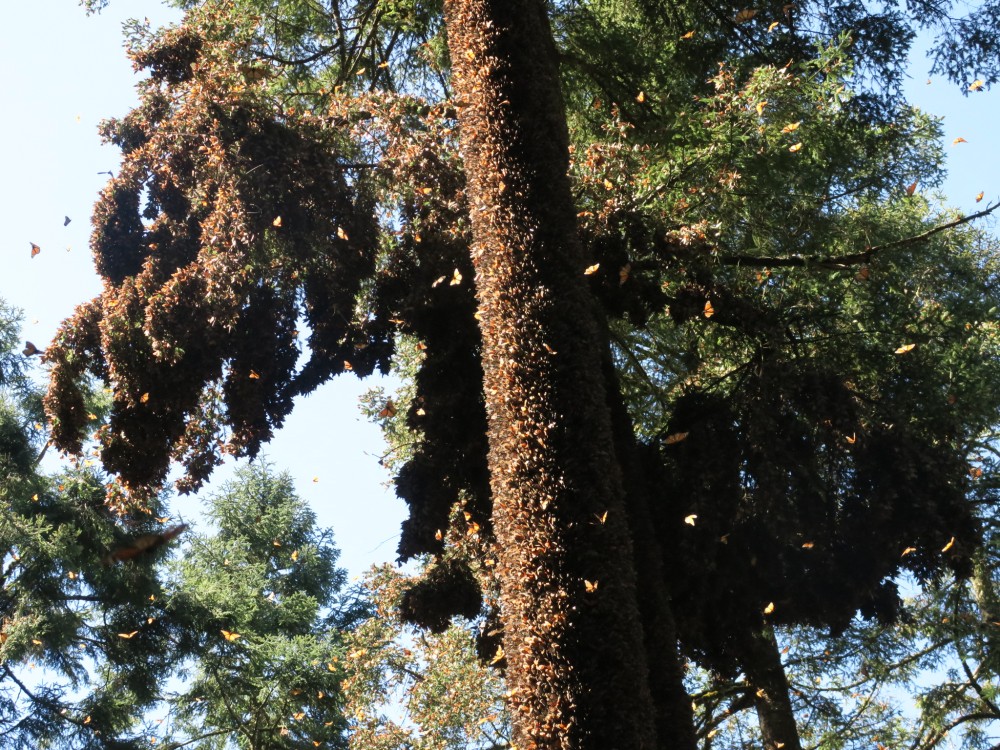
979 688
57 708
845 261
199 738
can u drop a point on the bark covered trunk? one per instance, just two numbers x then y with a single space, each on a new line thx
577 673
766 676
983 590
671 702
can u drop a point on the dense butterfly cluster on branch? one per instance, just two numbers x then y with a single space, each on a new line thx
794 431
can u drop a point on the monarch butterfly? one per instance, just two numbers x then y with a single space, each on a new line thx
144 544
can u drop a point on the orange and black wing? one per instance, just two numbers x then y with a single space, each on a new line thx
145 544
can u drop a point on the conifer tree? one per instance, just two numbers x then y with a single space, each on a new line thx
82 641
260 178
262 612
96 624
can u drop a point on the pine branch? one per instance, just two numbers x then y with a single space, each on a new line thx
192 740
626 350
979 689
845 261
55 707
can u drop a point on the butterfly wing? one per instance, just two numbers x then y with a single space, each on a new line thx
145 544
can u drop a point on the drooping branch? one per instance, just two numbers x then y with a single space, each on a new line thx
254 227
40 700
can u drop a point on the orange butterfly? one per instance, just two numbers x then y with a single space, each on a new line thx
35 249
144 544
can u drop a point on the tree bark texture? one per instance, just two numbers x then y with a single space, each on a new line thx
671 702
766 676
577 673
983 590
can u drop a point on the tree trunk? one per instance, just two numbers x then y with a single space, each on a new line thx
671 702
577 673
766 676
983 590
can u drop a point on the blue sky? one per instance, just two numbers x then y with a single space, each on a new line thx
63 71
973 166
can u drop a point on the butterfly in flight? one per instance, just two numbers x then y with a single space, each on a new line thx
144 545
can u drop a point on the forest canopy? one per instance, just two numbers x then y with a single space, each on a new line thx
688 355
